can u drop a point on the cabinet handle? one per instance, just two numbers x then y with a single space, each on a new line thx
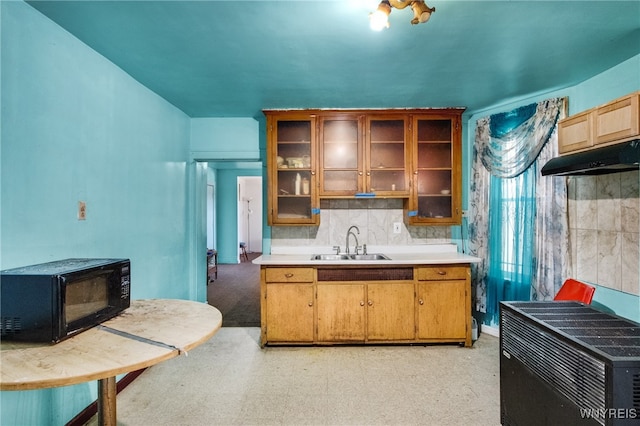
442 272
421 302
288 275
370 303
362 303
368 173
310 304
360 173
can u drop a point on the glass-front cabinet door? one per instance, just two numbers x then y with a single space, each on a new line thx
292 170
436 196
387 156
341 153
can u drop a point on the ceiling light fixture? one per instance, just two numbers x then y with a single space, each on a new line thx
380 18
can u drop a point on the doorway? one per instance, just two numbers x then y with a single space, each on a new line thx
249 215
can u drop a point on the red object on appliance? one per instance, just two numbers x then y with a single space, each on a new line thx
576 291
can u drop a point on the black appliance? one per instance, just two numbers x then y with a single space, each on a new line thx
51 301
566 363
621 157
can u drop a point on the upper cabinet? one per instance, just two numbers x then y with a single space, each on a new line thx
437 187
613 122
291 168
387 155
410 154
363 155
341 154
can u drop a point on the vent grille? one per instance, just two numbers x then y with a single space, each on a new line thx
10 326
575 374
636 391
368 274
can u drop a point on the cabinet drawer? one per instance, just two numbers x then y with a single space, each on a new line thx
434 273
285 275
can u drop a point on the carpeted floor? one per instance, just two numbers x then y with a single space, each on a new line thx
236 293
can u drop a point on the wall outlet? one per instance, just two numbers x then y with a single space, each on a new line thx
397 227
82 210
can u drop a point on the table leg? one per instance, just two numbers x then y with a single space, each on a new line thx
107 401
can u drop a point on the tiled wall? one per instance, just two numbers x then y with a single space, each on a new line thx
374 218
604 222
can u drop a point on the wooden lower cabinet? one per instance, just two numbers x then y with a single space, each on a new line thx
341 312
431 306
390 311
444 305
288 308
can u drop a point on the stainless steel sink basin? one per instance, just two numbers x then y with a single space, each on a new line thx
373 256
330 257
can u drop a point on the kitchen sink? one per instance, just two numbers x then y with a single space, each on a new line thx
372 256
330 257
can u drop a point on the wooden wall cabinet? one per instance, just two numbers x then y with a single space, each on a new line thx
437 170
423 304
363 155
614 122
291 169
410 154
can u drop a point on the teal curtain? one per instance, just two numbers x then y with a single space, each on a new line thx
511 255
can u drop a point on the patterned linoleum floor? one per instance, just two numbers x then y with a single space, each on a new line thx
230 380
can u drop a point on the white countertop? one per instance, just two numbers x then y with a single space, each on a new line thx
426 254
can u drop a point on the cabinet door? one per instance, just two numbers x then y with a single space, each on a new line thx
575 132
289 315
618 120
437 189
442 310
390 311
341 312
387 156
341 155
293 196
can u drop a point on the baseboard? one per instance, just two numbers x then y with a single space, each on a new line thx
85 415
491 331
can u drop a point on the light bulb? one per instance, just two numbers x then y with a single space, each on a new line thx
378 20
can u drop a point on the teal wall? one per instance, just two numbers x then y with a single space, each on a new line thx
76 127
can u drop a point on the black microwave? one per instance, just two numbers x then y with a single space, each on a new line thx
51 301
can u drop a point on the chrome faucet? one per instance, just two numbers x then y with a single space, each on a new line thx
349 232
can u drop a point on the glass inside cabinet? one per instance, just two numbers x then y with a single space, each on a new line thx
340 151
436 172
386 167
293 193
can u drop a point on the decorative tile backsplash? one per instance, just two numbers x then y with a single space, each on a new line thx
604 223
374 218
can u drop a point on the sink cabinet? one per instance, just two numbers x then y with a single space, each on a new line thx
341 312
365 304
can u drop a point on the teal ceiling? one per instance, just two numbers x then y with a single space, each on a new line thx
236 58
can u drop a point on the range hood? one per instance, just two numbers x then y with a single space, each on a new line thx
617 158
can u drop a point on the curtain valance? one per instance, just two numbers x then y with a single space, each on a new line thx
508 143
